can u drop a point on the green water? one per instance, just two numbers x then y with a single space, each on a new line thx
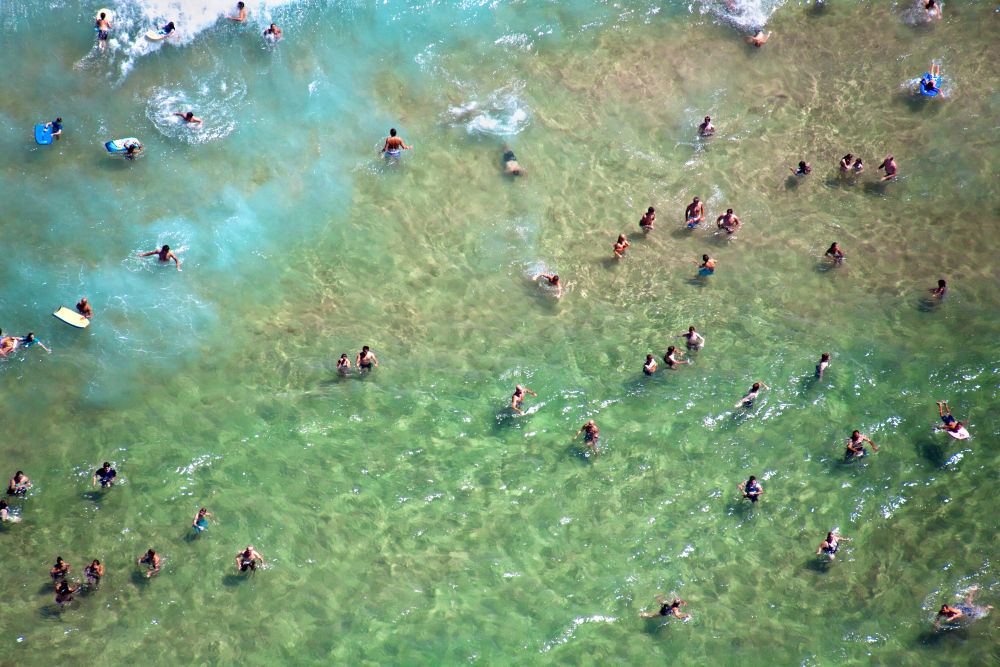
407 517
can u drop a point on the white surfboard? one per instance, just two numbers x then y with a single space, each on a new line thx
71 317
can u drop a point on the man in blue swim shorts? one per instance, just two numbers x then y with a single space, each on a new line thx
393 145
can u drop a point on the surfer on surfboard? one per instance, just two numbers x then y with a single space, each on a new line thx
955 428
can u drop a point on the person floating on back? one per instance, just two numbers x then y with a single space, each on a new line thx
510 165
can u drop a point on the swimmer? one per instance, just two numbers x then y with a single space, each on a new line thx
933 9
949 614
751 489
650 366
245 559
845 163
60 570
728 222
103 28
29 340
241 13
858 168
671 360
19 484
695 341
706 129
5 513
830 545
666 609
707 266
620 246
393 145
273 33
824 363
856 446
759 38
64 593
928 82
553 280
152 559
590 434
164 254
344 364
747 401
365 360
56 126
834 253
200 522
168 29
890 167
105 475
939 291
803 169
94 572
694 213
518 397
647 220
7 345
510 165
132 149
950 424
84 308
189 117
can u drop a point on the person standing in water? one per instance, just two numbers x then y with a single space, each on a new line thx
200 522
103 26
830 545
189 117
707 266
394 145
510 165
105 475
591 434
751 489
365 360
344 364
939 291
518 398
84 308
647 220
64 593
620 246
671 360
60 570
247 559
553 281
152 559
856 446
728 221
19 484
933 9
694 213
706 129
650 366
56 127
824 363
835 254
694 340
164 254
94 572
667 609
241 13
889 164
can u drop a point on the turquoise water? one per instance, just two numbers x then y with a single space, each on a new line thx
408 517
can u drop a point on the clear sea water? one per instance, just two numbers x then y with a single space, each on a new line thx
408 517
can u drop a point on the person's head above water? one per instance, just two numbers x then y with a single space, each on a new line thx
825 357
102 16
729 211
704 258
165 248
240 5
856 434
364 348
755 386
671 350
708 119
802 164
690 329
189 115
848 157
941 283
751 480
392 132
554 279
651 210
695 200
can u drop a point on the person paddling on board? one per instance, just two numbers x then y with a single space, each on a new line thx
132 149
84 308
56 127
950 424
273 33
241 13
394 145
165 254
103 26
168 29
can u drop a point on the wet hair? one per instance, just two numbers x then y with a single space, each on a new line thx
729 211
649 357
59 560
847 158
343 355
752 479
18 474
621 237
170 28
704 258
107 465
96 562
856 434
165 248
364 348
58 120
554 279
240 5
802 164
202 510
941 282
833 247
189 115
102 15
651 210
695 199
30 336
3 504
825 357
392 132
691 329
671 350
829 536
708 118
857 161
150 552
755 386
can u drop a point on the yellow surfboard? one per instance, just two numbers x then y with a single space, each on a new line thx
71 317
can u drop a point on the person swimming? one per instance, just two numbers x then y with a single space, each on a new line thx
510 165
105 475
189 117
647 220
856 446
273 33
845 163
29 340
706 129
747 401
830 545
694 213
751 489
707 267
954 428
19 484
693 339
591 434
939 291
518 398
834 253
553 281
152 559
672 608
620 246
200 522
671 360
394 145
365 360
245 560
164 254
968 611
824 363
60 570
650 366
803 169
344 364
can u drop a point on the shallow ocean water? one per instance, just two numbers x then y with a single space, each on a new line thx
408 517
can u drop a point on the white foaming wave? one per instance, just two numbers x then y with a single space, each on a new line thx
747 14
502 113
215 102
